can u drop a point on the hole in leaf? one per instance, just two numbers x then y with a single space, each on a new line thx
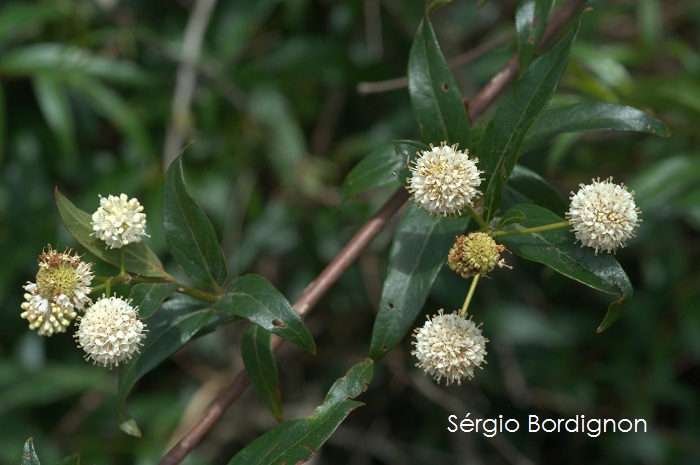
445 87
279 323
390 304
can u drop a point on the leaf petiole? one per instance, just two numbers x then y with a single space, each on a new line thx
546 227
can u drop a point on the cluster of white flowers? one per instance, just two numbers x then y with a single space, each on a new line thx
110 332
449 346
63 280
46 324
444 180
603 215
119 221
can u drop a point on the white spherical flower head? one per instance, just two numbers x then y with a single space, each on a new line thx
449 346
110 332
603 215
119 221
63 280
47 324
444 180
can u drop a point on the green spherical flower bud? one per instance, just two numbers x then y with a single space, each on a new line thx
475 254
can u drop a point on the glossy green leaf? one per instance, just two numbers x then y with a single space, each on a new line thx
296 441
55 106
140 259
407 151
177 322
377 169
597 116
530 23
29 456
526 186
557 249
254 298
437 103
189 233
262 369
503 137
417 254
150 296
511 217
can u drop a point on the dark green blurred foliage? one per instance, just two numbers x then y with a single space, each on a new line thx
85 97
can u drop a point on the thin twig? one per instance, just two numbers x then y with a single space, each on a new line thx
337 267
186 80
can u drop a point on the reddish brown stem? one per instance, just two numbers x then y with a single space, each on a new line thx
364 236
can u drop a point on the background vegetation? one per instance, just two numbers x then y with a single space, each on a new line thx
86 98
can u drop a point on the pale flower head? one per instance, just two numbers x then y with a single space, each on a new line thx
110 332
449 346
63 279
119 221
603 215
444 180
46 324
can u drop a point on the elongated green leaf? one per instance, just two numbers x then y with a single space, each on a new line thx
375 170
530 23
419 251
407 151
557 250
57 112
150 296
526 186
29 456
261 367
596 116
140 259
296 441
500 144
437 103
254 298
177 322
189 233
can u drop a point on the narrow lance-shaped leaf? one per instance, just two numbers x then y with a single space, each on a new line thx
261 367
557 249
254 298
436 100
149 296
530 23
594 116
296 441
140 259
375 170
177 322
419 251
29 456
189 233
503 137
